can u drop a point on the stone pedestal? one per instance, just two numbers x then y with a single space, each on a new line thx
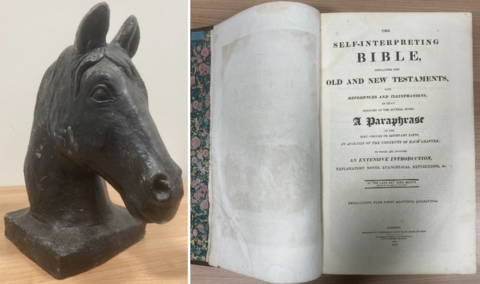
68 251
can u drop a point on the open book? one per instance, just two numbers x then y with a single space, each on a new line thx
341 143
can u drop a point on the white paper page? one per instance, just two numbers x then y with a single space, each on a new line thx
399 193
265 215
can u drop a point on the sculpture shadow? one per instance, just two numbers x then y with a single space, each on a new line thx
92 124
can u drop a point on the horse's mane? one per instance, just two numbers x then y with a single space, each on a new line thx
63 77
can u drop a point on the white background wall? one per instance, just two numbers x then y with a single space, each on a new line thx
34 33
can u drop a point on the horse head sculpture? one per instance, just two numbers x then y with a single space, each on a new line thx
92 124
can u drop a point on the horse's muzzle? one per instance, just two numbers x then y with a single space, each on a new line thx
166 192
161 189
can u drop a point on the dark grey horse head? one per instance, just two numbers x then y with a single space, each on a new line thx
92 119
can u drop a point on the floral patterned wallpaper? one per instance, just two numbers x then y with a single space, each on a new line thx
200 143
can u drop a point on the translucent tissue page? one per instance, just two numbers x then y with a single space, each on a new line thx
399 161
265 167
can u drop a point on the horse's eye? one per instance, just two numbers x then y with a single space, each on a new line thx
102 95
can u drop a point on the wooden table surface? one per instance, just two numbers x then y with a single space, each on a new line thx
211 12
161 257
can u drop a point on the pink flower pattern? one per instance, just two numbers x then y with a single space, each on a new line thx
205 52
200 143
204 204
195 142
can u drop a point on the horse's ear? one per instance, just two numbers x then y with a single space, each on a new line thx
128 36
93 28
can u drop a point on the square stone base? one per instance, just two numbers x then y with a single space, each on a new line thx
67 251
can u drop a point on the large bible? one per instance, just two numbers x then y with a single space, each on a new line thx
338 143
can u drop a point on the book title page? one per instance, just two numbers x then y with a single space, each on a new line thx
397 143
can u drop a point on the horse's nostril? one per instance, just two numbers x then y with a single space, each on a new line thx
161 188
